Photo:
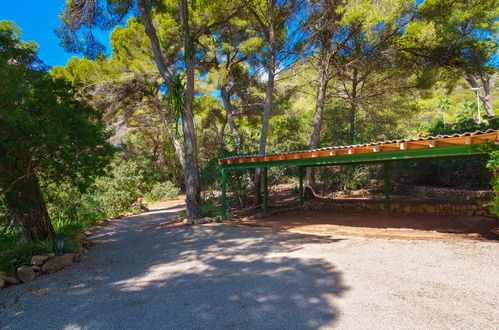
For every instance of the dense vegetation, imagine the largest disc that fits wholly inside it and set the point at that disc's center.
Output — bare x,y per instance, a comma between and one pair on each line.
189,81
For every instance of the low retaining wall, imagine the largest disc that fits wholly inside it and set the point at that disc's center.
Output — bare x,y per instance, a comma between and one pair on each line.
441,209
437,209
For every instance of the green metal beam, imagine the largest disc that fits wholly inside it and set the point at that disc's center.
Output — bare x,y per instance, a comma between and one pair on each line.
265,191
224,195
301,170
411,154
386,176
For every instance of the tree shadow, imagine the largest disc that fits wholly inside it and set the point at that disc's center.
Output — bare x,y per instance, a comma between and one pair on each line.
208,276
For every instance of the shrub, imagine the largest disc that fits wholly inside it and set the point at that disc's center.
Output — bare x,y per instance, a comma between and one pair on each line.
162,191
493,166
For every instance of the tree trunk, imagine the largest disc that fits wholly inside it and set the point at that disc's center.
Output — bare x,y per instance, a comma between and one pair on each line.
319,111
230,117
28,210
153,39
192,189
176,143
353,105
257,197
485,97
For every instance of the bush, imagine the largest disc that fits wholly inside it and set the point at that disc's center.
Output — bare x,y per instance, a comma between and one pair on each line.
493,166
162,191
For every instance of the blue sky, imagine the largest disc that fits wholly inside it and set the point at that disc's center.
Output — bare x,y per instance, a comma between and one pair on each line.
38,19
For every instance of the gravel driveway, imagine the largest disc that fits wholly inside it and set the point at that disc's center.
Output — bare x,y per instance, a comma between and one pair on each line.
141,275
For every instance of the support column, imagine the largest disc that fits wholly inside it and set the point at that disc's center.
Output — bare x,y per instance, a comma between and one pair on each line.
224,195
387,188
301,171
265,191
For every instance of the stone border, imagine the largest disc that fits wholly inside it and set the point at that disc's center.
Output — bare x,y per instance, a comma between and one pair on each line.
46,263
405,208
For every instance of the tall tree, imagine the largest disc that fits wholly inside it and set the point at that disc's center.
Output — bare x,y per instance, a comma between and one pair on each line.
327,35
47,132
272,18
457,35
85,15
333,26
229,50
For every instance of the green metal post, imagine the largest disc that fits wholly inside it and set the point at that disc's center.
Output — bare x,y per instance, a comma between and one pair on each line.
386,174
265,191
301,170
224,195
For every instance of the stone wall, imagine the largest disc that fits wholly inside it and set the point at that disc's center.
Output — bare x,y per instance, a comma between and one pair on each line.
437,209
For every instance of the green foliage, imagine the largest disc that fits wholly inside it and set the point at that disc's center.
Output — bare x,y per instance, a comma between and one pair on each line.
345,178
45,120
22,253
210,206
162,191
493,165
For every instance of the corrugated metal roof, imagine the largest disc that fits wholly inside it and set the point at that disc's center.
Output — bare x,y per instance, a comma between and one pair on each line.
437,137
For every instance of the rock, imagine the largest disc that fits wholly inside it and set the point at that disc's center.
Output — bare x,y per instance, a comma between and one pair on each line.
200,221
430,209
36,268
39,260
26,273
83,251
58,263
2,284
9,278
51,255
187,222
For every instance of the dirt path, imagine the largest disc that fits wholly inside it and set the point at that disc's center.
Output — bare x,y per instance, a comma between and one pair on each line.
383,225
142,274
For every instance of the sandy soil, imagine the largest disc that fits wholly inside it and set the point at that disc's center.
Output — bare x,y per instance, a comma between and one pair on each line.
384,225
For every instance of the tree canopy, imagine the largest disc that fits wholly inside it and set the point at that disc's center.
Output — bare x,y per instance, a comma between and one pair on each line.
49,131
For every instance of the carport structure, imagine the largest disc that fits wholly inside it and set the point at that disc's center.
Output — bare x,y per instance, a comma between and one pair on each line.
422,148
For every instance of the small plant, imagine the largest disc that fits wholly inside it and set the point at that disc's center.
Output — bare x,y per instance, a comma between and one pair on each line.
209,205
162,191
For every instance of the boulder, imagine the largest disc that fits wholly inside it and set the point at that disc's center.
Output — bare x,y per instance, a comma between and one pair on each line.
9,278
39,260
26,273
58,263
2,283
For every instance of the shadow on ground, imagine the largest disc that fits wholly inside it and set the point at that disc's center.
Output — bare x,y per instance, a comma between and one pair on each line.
208,276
